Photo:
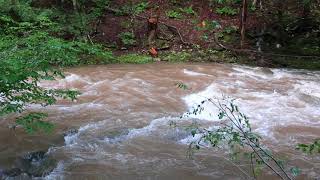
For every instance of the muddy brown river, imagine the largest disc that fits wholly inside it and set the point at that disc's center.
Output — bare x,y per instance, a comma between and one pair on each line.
124,111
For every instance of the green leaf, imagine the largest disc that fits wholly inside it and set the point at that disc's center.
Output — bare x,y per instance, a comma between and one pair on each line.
221,115
33,122
193,132
295,171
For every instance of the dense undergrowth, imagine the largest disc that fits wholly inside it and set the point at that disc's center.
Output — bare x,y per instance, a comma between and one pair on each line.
32,48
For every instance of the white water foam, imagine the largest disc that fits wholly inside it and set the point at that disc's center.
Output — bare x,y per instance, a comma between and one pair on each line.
193,73
56,174
266,109
308,88
73,138
210,111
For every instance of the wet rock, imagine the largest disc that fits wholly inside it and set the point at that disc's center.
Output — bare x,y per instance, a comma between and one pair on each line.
22,176
71,132
34,156
36,164
11,172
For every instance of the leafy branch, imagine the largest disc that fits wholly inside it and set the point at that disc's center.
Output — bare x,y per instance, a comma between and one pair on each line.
236,131
310,148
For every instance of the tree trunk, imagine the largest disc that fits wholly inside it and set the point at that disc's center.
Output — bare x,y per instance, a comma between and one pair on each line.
243,21
152,28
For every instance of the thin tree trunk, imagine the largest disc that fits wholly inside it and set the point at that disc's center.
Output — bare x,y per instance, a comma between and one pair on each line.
243,21
152,28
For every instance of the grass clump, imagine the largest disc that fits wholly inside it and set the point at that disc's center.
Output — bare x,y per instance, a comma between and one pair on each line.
172,14
177,57
127,38
227,11
134,59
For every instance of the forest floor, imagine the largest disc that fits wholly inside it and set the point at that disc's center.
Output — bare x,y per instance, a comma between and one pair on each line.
190,27
189,31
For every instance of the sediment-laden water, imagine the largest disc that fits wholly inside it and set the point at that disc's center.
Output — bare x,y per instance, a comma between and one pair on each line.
124,111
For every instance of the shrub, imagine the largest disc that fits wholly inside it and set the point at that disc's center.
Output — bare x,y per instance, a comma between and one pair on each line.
177,57
134,59
127,38
173,14
188,10
227,10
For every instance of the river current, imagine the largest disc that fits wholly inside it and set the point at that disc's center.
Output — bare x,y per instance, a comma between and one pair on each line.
124,111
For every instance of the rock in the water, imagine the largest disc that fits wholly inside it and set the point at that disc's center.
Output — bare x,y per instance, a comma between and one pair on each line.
36,164
70,132
12,172
22,176
34,156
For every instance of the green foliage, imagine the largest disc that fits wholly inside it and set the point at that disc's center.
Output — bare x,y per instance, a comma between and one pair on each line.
33,122
178,14
235,132
132,9
127,38
227,10
78,24
75,25
134,59
43,48
26,61
310,148
295,171
21,10
140,7
176,2
177,57
173,14
181,85
221,3
226,7
230,29
252,7
30,51
188,10
126,24
13,21
228,1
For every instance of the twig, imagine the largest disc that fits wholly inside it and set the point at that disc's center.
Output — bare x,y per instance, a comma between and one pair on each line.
253,171
233,119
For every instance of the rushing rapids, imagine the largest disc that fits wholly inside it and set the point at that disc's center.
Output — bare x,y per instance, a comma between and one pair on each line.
124,111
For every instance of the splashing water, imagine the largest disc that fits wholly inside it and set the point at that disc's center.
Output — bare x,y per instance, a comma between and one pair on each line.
124,112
